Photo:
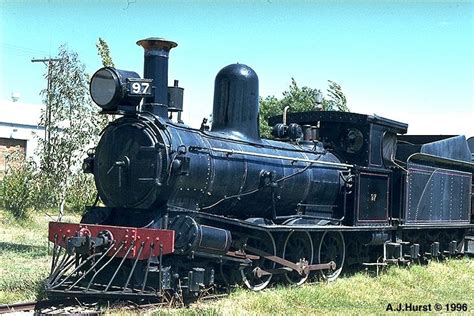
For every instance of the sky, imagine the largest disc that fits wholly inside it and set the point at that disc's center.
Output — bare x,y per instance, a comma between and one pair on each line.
405,60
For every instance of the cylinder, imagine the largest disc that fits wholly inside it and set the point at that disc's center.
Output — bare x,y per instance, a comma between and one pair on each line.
175,98
156,68
192,236
307,132
214,240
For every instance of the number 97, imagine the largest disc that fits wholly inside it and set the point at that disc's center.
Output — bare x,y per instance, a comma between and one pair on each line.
140,88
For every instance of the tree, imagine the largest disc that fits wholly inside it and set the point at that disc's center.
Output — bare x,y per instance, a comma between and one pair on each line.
337,99
72,127
300,99
104,53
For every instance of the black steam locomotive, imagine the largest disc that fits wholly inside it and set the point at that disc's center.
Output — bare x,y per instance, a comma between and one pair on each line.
186,211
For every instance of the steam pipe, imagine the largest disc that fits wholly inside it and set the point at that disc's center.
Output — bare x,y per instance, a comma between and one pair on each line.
156,68
285,112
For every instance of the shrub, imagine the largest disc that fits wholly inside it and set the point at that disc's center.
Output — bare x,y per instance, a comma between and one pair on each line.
82,192
17,186
44,193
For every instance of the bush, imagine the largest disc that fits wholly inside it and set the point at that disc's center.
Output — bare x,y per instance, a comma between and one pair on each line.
17,186
26,187
44,193
82,192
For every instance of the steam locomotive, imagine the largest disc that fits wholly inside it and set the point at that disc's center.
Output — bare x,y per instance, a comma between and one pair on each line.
189,211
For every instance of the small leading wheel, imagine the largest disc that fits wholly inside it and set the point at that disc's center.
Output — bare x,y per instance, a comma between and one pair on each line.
332,248
298,247
264,242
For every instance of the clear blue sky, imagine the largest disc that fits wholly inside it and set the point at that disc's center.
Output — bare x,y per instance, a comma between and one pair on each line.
411,61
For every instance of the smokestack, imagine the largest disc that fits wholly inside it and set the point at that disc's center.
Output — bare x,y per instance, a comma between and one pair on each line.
156,68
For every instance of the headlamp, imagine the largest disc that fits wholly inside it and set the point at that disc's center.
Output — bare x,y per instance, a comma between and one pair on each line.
111,88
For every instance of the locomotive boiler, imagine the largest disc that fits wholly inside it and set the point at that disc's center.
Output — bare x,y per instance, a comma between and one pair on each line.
188,211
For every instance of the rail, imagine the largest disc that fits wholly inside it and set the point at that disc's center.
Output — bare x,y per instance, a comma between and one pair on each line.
18,307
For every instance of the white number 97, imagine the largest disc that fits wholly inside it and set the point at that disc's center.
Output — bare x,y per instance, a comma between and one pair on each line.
140,88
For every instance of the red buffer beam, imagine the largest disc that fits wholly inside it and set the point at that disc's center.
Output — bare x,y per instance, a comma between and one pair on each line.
152,241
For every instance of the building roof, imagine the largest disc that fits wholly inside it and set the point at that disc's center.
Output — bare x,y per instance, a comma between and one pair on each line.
20,113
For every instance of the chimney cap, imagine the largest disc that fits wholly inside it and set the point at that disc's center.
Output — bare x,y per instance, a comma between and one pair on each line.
156,42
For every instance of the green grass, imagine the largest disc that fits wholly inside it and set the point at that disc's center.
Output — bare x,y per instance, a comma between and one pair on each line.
24,258
24,263
447,282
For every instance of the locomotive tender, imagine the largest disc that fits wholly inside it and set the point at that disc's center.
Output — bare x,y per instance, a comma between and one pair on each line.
188,210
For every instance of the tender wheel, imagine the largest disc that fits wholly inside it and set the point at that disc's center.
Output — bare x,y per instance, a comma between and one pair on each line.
332,248
264,242
298,246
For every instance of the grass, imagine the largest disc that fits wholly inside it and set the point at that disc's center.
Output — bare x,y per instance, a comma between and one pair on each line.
24,258
24,263
444,283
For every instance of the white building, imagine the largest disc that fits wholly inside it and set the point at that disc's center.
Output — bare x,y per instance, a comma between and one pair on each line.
19,128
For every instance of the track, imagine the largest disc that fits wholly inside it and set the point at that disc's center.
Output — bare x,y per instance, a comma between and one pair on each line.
90,306
19,307
60,306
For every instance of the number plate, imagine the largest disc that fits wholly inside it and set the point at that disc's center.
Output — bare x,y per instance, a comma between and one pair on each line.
139,87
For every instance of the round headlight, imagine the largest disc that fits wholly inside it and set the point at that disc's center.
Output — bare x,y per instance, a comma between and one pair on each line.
109,86
105,88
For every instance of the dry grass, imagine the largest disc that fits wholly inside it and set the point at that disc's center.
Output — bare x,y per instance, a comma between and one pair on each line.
24,259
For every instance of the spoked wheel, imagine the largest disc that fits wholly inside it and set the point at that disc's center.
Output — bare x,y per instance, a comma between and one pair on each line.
264,242
298,247
332,248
